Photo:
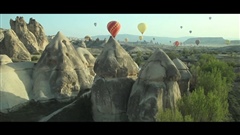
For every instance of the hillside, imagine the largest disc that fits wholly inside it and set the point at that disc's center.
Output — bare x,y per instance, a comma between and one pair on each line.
210,40
135,38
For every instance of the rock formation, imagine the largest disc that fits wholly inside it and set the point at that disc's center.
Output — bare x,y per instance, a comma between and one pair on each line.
4,59
13,47
115,62
38,31
77,111
87,58
1,35
15,84
184,82
27,37
115,74
156,88
82,44
60,71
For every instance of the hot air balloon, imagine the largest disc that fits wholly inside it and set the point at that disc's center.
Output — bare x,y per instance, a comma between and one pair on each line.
153,38
227,42
140,37
126,39
190,31
87,38
197,41
95,24
113,27
181,27
210,18
142,27
176,43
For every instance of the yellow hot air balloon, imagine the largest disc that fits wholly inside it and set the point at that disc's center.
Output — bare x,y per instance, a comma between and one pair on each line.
142,27
227,42
140,37
87,38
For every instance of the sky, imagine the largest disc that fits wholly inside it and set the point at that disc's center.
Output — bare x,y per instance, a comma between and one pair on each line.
159,25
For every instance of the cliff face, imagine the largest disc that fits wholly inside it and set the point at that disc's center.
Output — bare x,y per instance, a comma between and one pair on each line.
206,40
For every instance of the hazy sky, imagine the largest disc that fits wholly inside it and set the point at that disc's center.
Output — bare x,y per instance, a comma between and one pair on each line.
162,25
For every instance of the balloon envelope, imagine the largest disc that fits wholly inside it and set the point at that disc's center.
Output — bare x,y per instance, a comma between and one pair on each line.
176,43
181,27
113,27
197,41
95,24
227,42
140,37
87,38
190,31
142,27
126,39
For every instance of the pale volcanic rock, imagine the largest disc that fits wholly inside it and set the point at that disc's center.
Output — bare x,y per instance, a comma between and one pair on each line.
60,71
114,61
156,88
4,59
109,97
1,35
27,37
37,29
82,44
184,82
15,84
13,47
115,74
87,58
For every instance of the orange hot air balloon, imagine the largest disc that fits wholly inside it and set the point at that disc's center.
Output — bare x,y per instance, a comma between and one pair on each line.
113,27
176,43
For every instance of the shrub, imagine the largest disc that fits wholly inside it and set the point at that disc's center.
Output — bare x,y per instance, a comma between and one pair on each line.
172,116
173,54
34,58
209,100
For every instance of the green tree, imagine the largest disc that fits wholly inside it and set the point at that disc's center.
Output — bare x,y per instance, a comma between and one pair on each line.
209,100
173,54
169,115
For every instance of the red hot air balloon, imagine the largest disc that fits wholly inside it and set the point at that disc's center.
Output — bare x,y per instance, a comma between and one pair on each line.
176,43
113,27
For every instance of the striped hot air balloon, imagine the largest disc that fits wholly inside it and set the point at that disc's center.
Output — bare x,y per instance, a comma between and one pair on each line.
113,27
